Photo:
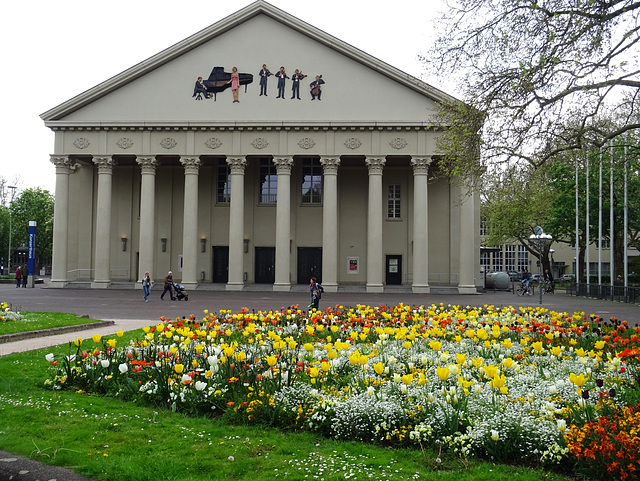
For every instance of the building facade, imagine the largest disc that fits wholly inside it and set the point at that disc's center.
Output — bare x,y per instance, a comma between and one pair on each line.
259,178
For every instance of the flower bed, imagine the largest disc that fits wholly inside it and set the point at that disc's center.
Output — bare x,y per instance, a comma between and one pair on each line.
515,385
6,314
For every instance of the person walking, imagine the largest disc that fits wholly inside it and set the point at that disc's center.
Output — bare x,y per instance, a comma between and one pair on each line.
146,286
315,290
168,286
18,276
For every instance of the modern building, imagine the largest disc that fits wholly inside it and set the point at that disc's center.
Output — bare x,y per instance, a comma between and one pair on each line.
154,174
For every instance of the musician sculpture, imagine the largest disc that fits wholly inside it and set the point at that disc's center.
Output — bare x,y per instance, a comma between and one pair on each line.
219,80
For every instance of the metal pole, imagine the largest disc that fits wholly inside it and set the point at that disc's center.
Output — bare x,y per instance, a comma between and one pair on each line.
612,271
13,191
626,219
600,226
587,237
577,272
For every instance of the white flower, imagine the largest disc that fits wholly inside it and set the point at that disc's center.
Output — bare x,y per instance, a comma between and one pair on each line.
212,360
105,363
49,357
231,458
495,435
200,385
123,368
562,425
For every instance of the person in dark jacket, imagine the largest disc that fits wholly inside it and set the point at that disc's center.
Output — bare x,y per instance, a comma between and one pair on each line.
315,290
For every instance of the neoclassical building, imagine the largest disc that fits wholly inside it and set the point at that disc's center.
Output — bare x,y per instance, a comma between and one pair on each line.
157,170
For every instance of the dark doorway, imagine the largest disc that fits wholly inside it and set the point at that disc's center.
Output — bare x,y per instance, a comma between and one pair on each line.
265,265
220,264
309,264
394,270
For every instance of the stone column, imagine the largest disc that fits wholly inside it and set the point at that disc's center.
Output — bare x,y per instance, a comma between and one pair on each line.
330,166
146,249
466,283
236,224
420,225
375,267
102,261
60,221
283,224
190,240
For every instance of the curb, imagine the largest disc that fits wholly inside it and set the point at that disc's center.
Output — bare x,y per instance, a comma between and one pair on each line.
21,336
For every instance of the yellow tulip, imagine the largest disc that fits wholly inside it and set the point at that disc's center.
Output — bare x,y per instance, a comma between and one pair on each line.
498,381
378,367
556,350
508,362
96,338
407,379
581,352
490,370
443,373
112,343
308,347
537,346
325,366
578,380
78,341
461,358
314,372
271,360
240,356
600,345
406,344
507,343
120,333
178,368
435,345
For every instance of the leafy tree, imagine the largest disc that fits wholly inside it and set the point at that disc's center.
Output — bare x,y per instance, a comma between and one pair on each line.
515,206
34,205
525,65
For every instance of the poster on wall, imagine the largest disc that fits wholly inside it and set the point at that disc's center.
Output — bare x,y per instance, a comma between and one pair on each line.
353,265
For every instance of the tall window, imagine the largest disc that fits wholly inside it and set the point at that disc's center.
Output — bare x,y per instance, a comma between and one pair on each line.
224,183
311,181
393,202
510,258
268,182
497,260
523,257
485,261
483,227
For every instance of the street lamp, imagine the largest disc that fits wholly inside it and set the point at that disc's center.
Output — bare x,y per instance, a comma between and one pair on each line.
540,240
13,191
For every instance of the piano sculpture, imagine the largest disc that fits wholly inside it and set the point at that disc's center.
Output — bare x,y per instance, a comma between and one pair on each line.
218,80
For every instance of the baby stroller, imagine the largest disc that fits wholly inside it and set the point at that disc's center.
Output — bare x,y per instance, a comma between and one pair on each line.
180,292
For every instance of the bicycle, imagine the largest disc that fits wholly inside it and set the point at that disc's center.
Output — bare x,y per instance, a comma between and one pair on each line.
547,287
521,290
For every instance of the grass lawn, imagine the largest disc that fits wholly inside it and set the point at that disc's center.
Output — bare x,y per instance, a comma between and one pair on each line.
36,321
108,439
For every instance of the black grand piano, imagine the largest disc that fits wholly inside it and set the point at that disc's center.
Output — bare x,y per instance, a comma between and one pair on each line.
218,80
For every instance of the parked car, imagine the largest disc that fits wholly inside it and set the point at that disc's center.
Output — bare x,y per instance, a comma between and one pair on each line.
566,278
536,277
513,275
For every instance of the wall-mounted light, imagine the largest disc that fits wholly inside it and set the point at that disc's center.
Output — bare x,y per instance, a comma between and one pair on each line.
163,244
246,246
123,243
203,245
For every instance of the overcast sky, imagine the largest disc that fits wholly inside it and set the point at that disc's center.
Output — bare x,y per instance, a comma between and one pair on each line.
56,49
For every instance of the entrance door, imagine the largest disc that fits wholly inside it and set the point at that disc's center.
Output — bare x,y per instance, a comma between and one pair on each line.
309,264
394,270
265,265
220,264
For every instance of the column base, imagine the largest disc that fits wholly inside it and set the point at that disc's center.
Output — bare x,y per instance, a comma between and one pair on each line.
375,288
234,286
330,287
281,287
421,289
189,286
100,284
467,290
57,283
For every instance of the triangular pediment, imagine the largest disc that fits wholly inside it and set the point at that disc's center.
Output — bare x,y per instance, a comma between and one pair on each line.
358,89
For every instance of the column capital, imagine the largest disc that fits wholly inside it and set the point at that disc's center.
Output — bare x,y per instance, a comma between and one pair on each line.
147,164
191,164
330,164
237,164
105,163
421,164
62,163
375,164
283,164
